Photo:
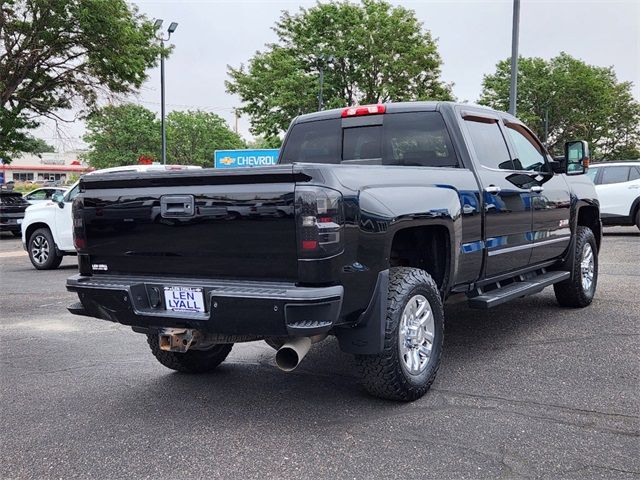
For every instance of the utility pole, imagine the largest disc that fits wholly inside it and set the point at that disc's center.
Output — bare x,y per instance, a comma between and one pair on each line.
170,30
513,90
320,99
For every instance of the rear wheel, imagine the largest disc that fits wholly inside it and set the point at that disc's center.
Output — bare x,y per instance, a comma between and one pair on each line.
414,331
42,250
191,361
578,291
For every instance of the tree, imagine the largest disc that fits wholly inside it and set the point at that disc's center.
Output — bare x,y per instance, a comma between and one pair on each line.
193,136
265,143
580,101
39,146
370,53
120,135
55,55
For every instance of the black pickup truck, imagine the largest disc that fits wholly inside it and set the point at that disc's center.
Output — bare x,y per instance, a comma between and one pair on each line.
373,218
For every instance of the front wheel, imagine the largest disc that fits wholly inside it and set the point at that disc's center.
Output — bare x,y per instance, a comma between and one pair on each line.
579,289
638,218
42,250
191,361
414,331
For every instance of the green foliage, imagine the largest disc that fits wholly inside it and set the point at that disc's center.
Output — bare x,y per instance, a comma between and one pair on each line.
38,146
582,102
120,135
193,136
373,52
261,142
66,53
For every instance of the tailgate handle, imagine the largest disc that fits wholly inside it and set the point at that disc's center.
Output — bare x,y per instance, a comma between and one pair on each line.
177,206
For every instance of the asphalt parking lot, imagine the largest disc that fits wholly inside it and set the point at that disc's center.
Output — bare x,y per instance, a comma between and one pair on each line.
526,390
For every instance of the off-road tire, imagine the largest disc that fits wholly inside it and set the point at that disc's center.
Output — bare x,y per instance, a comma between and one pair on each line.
53,260
383,374
571,292
192,361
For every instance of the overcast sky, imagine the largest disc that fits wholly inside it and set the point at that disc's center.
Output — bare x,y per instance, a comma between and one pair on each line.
472,36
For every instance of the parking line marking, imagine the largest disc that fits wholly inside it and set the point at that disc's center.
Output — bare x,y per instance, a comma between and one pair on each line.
19,253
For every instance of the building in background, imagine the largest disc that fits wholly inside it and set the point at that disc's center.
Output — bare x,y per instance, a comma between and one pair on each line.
44,167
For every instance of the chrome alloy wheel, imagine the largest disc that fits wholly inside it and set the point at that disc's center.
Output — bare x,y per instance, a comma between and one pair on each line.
40,249
587,267
416,333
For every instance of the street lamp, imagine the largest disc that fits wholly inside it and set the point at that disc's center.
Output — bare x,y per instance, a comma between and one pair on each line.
170,30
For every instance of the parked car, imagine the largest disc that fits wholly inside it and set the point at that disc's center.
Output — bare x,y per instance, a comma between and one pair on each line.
392,209
618,187
47,229
43,194
12,207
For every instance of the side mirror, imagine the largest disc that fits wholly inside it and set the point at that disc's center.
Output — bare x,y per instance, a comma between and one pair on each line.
576,155
558,165
58,198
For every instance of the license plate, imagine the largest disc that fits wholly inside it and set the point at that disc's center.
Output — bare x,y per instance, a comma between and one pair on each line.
184,299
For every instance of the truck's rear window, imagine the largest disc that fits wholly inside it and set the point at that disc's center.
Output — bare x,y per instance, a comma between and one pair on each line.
412,139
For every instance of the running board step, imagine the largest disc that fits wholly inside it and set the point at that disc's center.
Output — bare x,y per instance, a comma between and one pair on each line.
516,290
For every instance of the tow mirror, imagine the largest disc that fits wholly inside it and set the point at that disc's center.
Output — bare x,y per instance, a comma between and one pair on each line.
58,198
576,156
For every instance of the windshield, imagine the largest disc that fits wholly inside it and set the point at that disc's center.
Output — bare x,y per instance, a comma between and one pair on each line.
412,139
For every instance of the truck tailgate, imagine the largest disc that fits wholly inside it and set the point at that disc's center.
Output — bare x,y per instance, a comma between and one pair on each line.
204,223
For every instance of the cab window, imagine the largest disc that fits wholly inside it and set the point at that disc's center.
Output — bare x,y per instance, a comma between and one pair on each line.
489,144
38,195
72,194
529,154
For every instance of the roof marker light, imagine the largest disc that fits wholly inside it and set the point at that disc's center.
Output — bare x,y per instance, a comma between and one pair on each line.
363,110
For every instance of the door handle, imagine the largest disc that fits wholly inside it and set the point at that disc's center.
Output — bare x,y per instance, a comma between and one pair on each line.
536,189
468,210
492,189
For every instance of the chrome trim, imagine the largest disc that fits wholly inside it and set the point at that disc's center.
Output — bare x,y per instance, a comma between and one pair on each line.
528,245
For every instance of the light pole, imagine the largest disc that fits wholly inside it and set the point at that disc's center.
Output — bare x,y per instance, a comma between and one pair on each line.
513,89
170,30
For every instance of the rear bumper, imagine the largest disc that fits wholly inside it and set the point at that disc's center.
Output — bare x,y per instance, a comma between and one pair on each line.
231,307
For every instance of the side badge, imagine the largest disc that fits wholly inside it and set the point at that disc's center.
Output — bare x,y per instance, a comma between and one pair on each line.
99,266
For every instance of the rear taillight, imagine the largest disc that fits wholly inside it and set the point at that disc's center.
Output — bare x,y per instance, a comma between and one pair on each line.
358,111
319,221
79,232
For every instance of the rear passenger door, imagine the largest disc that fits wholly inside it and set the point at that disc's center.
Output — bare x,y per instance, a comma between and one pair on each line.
507,202
618,187
550,196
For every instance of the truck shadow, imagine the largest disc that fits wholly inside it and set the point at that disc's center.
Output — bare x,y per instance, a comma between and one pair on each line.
327,381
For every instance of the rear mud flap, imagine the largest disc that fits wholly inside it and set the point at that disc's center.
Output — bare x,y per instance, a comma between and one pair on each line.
367,336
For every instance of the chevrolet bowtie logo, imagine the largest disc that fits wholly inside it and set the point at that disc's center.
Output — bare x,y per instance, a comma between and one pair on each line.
227,161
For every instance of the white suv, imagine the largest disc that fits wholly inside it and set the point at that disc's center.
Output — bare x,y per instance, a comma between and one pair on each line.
47,228
618,187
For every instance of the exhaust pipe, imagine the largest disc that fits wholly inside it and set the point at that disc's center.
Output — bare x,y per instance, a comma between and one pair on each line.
291,353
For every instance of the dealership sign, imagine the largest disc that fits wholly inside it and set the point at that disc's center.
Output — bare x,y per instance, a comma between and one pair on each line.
245,158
